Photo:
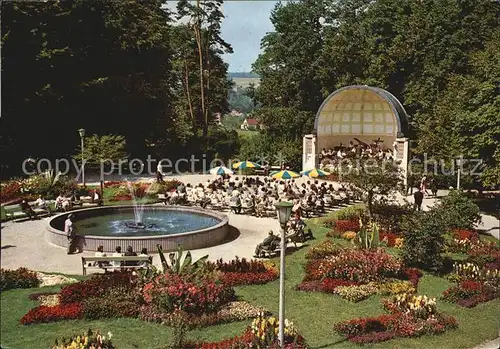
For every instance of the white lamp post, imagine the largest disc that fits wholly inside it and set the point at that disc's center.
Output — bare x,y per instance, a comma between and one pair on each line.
459,165
82,135
284,211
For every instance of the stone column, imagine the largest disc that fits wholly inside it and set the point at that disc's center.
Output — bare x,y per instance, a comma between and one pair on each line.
402,154
309,158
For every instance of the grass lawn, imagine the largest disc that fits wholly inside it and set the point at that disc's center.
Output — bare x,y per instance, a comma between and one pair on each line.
313,313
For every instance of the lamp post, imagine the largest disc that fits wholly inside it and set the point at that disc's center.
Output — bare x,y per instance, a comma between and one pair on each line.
284,210
82,135
459,165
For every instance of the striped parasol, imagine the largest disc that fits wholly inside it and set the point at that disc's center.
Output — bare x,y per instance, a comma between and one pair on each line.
220,170
315,172
285,174
245,164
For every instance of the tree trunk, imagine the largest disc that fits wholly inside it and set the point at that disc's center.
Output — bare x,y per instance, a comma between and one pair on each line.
370,203
188,92
197,32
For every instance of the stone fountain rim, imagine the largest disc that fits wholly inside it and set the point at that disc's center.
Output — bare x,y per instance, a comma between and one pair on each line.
224,220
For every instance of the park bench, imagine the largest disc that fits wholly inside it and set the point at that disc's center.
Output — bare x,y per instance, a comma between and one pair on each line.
92,263
269,250
163,198
14,212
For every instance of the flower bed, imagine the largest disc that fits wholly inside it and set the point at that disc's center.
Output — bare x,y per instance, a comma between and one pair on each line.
242,272
59,312
355,274
263,333
85,341
409,316
475,285
341,226
19,278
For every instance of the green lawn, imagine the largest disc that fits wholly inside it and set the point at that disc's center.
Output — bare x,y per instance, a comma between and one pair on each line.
313,313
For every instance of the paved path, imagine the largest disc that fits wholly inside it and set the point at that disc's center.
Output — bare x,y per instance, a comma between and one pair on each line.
24,245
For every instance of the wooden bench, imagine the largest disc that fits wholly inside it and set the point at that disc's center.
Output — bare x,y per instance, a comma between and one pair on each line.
95,260
14,212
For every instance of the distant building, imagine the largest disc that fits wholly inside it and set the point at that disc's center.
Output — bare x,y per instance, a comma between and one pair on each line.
218,119
250,124
234,112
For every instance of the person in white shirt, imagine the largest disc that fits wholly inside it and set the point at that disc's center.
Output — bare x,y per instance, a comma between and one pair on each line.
70,231
118,253
41,203
59,202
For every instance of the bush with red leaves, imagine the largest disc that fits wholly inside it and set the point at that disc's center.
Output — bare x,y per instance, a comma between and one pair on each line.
96,286
49,314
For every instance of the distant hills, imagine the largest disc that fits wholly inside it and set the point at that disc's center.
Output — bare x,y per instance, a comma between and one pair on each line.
242,75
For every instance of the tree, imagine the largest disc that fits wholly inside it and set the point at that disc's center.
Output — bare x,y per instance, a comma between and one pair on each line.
372,179
97,65
101,149
205,19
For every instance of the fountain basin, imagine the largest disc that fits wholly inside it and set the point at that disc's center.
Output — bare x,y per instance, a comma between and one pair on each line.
191,228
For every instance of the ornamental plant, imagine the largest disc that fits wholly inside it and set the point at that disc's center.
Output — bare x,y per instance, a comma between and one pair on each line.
356,293
322,250
19,278
409,316
197,294
59,312
89,340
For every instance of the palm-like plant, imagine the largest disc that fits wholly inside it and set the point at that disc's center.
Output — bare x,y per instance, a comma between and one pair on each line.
179,265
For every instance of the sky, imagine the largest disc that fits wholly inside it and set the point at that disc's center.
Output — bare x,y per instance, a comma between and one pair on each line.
244,25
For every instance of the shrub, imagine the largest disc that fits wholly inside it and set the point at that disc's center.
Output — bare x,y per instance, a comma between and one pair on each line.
464,234
59,312
96,286
322,250
199,294
396,287
347,213
114,303
459,211
389,215
19,278
10,190
87,340
424,241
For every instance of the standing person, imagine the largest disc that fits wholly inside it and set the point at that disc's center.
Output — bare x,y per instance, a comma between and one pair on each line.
159,173
423,185
419,197
70,231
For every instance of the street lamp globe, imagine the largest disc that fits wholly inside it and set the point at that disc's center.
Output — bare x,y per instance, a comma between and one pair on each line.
81,132
284,211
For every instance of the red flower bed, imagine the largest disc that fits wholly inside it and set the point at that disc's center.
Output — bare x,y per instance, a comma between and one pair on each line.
341,226
462,234
199,295
469,293
10,190
390,238
94,287
397,324
48,314
121,198
236,279
110,184
413,275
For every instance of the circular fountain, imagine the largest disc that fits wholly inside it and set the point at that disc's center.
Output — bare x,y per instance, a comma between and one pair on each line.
112,226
